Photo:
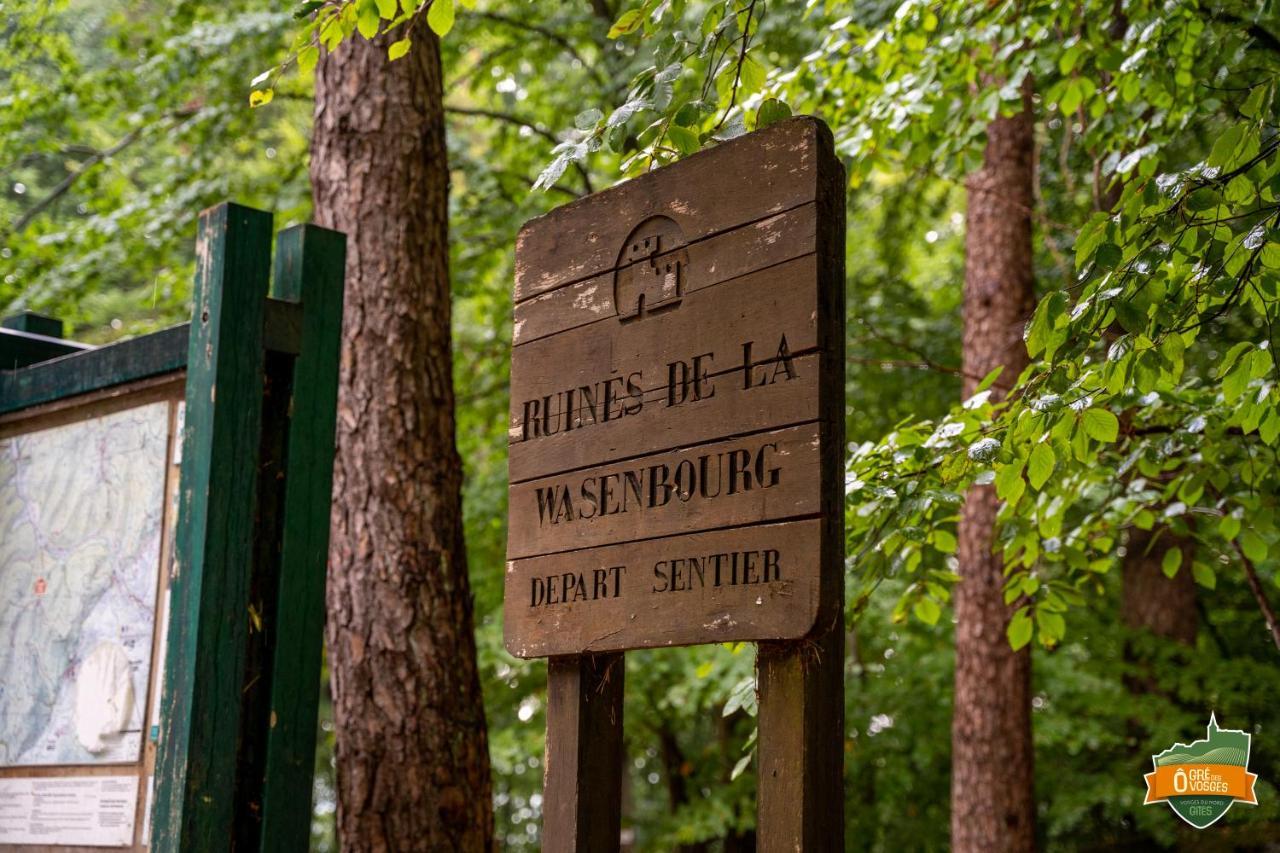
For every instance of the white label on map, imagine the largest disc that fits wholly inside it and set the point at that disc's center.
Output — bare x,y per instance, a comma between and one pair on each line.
92,811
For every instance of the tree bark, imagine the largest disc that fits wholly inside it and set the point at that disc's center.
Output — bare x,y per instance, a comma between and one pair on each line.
992,785
1162,605
412,756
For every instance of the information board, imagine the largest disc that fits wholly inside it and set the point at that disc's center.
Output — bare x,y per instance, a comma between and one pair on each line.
677,404
86,513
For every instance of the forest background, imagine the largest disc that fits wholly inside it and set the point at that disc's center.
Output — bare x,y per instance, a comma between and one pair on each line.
1135,467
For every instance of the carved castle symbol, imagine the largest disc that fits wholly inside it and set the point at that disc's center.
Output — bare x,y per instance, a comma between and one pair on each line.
651,268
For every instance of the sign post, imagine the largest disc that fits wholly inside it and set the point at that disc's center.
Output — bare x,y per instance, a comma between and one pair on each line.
676,435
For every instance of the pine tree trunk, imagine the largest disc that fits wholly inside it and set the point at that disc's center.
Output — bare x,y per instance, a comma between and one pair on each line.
412,757
1162,605
992,785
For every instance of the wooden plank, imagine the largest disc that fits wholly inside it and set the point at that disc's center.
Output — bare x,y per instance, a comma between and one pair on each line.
659,427
749,583
582,784
800,790
159,353
728,357
93,405
767,476
800,799
717,259
740,181
310,264
209,585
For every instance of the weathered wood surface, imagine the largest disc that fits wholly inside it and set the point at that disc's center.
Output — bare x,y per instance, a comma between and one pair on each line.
204,667
768,476
676,369
717,259
582,783
309,270
94,369
741,181
751,583
728,360
800,799
800,684
81,369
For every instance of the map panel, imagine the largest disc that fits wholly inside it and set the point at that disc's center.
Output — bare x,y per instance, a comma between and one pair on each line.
81,517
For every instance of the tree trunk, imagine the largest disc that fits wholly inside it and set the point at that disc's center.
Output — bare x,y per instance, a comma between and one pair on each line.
412,757
992,785
1164,606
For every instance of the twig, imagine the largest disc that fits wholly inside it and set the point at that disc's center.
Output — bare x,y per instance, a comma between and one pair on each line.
549,35
737,72
1268,614
92,160
519,122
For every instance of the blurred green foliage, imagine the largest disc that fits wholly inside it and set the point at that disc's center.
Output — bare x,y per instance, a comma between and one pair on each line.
120,119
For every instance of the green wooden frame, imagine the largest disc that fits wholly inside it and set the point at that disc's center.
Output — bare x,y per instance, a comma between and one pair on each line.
241,676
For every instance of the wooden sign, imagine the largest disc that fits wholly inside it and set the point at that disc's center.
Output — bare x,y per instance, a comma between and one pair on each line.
677,405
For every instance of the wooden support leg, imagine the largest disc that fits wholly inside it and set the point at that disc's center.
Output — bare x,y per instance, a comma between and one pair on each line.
582,789
198,751
800,804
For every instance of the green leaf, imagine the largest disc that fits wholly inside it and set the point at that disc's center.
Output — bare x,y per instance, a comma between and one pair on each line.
1108,256
927,611
307,59
628,22
261,97
1252,106
684,139
387,8
399,49
743,763
587,119
989,379
1229,527
1225,147
1204,575
1236,381
1009,483
1101,424
772,111
1230,358
753,75
1172,562
440,17
1253,545
1019,630
367,18
944,541
1052,626
1041,465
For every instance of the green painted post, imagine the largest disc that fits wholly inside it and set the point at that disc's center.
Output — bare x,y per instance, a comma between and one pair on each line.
309,269
209,587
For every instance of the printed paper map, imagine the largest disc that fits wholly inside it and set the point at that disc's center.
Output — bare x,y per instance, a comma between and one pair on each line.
81,509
